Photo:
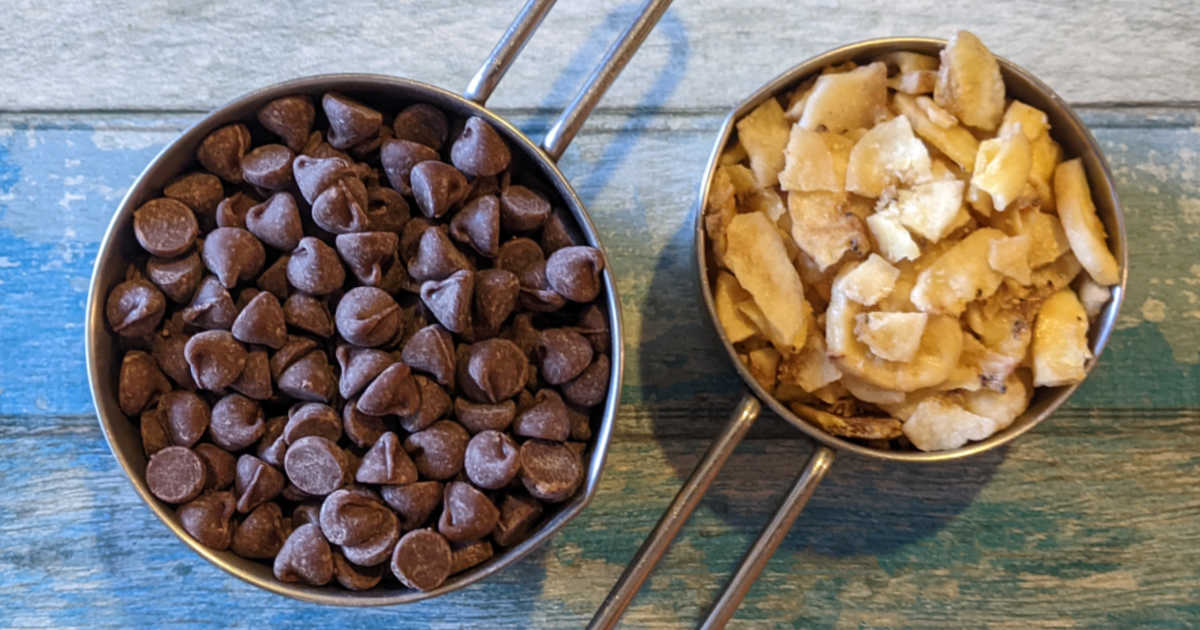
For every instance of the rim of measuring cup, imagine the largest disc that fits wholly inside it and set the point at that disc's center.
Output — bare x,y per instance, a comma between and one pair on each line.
1067,130
118,245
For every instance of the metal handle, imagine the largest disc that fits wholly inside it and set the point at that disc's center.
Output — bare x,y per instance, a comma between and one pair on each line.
743,416
506,50
773,534
564,129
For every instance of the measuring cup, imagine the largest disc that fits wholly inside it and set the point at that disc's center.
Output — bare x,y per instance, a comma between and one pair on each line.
104,358
1076,141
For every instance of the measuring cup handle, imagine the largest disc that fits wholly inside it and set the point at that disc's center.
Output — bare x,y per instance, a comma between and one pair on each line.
564,129
622,593
773,534
506,50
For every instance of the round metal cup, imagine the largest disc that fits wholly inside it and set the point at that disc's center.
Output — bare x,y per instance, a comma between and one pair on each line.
1065,127
118,245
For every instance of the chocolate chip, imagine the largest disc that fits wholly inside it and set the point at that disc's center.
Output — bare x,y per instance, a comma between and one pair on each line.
316,465
211,306
276,221
359,366
398,157
467,555
153,430
350,122
450,300
431,350
421,560
414,503
255,483
367,316
312,418
545,419
435,402
354,577
209,519
393,393
255,379
176,277
522,209
467,514
410,237
378,548
588,389
386,463
185,415
518,514
305,557
314,267
271,446
139,383
349,517
175,474
477,224
261,534
306,513
478,417
438,451
558,232
593,324
495,299
261,322
134,308
492,371
309,314
292,351
423,124
479,150
314,175
215,358
237,422
168,351
437,187
564,354
268,166
522,333
492,459
290,118
574,272
309,378
387,211
274,279
362,429
436,257
368,254
220,467
199,191
222,150
581,424
231,211
342,207
233,254
550,471
523,257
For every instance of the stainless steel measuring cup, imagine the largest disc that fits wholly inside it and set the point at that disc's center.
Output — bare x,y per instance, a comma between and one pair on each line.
103,357
1076,141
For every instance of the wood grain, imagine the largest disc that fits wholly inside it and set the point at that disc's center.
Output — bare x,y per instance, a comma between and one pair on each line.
132,55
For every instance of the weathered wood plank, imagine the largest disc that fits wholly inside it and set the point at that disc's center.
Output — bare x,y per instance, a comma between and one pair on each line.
1081,524
60,179
91,54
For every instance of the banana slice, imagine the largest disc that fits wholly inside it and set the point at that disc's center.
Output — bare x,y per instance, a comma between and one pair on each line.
1084,230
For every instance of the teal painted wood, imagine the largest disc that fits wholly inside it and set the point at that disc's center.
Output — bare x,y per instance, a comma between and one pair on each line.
1089,521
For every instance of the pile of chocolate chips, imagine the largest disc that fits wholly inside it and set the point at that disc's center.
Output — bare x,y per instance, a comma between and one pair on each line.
360,347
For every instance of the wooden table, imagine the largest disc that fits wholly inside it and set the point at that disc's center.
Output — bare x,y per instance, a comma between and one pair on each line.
1092,520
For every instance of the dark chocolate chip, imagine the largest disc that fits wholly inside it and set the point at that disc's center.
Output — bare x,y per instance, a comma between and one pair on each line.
479,150
305,557
436,256
518,515
386,463
255,483
220,467
550,471
312,418
368,254
315,268
276,221
274,279
139,383
435,402
431,350
523,257
398,157
175,474
292,351
492,460
232,210
185,415
222,150
393,393
261,534
588,389
134,308
233,254
438,451
378,548
309,378
211,306
261,322
268,166
437,187
199,191
354,577
152,426
237,422
350,517
421,560
478,417
593,324
387,210
342,207
559,231
314,175
495,299
362,429
522,209
309,314
574,272
477,224
209,519
176,277
350,122
545,419
450,300
581,424
492,371
467,514
290,118
423,124
564,354
316,465
255,379
414,503
215,358
467,555
359,366
367,316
